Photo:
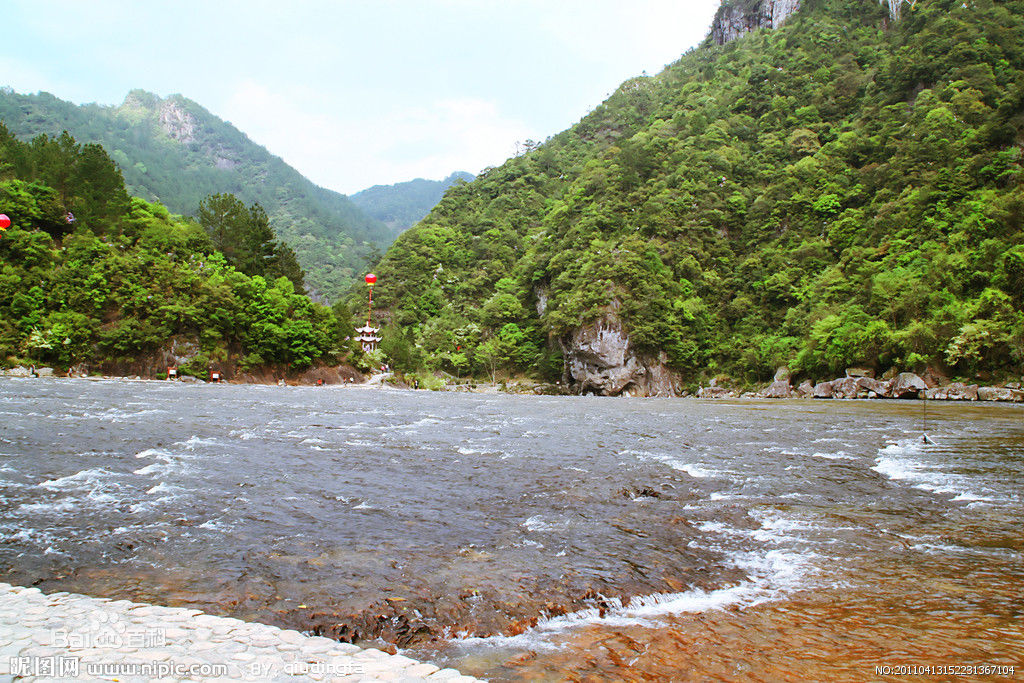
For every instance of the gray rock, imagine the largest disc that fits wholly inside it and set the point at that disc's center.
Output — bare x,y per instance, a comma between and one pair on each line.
957,391
805,390
712,392
907,385
860,372
874,388
778,389
846,387
782,374
822,390
1000,394
736,19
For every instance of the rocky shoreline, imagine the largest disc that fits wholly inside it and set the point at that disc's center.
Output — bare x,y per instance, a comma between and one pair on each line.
861,384
321,375
856,384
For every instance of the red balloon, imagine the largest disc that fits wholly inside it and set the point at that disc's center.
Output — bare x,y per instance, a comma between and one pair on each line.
5,222
370,278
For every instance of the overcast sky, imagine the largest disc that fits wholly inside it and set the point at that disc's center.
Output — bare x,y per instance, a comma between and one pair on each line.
355,94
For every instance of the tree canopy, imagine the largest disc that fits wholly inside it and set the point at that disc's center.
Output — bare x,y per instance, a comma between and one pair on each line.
846,189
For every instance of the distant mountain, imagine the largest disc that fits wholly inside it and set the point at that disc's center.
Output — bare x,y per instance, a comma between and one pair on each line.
402,205
175,151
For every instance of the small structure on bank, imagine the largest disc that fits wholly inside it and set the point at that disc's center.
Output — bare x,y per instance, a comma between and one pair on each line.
368,337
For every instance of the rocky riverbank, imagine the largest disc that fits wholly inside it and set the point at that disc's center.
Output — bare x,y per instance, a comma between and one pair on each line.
340,374
64,636
861,384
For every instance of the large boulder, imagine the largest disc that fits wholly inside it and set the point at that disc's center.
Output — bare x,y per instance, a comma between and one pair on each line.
778,389
805,390
1000,394
599,359
860,372
846,387
713,392
907,385
868,387
782,374
822,390
957,391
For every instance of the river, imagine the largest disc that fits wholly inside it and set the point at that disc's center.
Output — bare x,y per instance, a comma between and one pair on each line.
531,537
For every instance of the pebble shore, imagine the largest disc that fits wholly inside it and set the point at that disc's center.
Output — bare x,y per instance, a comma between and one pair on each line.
69,637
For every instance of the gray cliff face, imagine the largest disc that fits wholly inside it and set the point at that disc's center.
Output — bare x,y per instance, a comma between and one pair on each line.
600,359
737,17
177,123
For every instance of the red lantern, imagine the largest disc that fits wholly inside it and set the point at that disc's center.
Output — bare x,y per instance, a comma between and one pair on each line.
5,222
370,279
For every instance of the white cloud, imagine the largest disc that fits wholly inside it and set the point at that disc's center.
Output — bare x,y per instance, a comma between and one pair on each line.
347,151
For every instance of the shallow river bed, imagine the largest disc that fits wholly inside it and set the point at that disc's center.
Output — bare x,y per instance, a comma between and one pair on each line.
538,538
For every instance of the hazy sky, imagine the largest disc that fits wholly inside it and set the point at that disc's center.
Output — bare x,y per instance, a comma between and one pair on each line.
354,94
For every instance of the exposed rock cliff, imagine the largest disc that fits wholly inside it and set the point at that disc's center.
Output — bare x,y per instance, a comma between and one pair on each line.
600,359
176,122
737,17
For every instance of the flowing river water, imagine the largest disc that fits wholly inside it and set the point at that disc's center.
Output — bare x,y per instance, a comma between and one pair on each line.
536,538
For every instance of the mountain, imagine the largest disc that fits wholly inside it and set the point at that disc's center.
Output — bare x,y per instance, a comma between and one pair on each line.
91,276
401,205
836,184
174,151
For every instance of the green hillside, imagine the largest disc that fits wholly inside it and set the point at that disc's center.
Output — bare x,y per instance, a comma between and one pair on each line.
401,205
176,152
91,275
843,190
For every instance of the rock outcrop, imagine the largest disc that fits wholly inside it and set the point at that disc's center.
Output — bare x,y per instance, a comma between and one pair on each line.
599,359
176,122
738,17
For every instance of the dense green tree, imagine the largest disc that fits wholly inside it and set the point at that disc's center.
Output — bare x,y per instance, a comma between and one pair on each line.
845,189
127,277
244,236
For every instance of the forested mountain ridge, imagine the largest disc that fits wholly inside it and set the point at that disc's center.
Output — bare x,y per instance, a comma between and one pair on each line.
174,151
400,205
90,275
845,189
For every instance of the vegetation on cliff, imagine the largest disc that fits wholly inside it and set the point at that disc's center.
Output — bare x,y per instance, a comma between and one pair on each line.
91,275
844,190
176,152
